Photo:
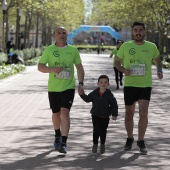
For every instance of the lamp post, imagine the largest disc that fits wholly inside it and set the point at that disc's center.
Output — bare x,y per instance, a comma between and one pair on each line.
4,8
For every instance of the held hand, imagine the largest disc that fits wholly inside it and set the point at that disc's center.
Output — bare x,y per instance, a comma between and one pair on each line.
160,75
57,70
80,89
114,118
127,72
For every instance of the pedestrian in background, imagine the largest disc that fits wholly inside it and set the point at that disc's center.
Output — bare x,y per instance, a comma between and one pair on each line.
104,105
137,56
59,60
118,74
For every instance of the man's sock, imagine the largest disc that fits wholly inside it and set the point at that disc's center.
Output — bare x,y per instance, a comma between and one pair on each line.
57,133
64,139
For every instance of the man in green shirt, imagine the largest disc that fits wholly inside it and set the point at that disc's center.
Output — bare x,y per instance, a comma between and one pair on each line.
137,56
59,60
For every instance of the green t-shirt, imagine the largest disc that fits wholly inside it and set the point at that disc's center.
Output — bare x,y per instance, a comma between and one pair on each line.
138,59
114,52
65,57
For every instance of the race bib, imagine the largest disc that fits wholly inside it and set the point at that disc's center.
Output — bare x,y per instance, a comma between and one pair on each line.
137,69
64,74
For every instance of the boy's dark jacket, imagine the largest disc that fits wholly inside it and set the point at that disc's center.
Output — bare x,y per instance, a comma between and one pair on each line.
104,105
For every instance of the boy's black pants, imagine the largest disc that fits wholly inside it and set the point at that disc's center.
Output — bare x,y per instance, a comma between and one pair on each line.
100,126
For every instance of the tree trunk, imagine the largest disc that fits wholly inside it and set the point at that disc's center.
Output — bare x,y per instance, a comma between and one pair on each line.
37,31
25,32
44,33
28,33
49,35
7,27
17,35
161,41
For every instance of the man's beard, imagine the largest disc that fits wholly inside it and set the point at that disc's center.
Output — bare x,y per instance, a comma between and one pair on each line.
138,38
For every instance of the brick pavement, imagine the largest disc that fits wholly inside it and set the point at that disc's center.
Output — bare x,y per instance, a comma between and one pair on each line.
26,132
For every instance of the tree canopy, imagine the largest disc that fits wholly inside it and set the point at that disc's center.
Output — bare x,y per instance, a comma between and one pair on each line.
44,15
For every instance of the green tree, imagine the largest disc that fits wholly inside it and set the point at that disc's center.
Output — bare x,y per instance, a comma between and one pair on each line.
118,13
43,16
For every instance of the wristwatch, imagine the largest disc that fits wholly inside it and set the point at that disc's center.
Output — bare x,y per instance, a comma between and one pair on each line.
81,83
159,70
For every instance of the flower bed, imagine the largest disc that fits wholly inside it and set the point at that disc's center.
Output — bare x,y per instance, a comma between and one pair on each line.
11,69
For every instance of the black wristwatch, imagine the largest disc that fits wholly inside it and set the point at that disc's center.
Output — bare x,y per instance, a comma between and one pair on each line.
81,83
159,70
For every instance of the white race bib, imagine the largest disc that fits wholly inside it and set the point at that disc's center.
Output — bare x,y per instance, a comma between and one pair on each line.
64,74
137,69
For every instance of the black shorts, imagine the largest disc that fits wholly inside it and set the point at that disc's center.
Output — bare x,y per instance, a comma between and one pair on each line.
61,99
132,94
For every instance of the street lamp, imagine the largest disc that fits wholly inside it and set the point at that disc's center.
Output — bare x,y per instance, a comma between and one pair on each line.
4,8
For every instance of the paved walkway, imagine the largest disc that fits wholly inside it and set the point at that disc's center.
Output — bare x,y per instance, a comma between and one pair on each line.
26,132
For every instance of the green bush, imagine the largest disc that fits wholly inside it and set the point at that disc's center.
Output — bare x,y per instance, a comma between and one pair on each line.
32,61
3,58
38,52
27,54
31,53
20,53
11,69
165,64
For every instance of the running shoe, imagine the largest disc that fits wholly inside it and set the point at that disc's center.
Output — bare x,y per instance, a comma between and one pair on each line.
62,148
142,147
94,148
57,142
128,144
121,83
102,148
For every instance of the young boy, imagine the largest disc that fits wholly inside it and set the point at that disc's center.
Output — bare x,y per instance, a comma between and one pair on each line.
104,105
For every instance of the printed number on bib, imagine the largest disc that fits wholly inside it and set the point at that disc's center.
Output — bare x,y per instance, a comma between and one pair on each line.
137,69
64,74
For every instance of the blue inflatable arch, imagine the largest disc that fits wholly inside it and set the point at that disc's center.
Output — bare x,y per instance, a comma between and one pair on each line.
90,28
